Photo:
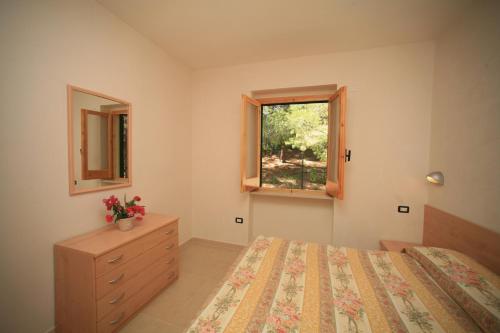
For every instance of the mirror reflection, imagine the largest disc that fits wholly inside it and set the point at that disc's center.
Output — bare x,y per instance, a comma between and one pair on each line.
100,135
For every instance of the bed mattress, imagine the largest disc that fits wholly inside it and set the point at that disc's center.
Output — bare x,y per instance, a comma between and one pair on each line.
293,286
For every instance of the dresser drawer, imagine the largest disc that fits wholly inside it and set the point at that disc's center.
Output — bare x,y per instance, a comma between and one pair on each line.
168,232
113,280
118,257
115,319
120,296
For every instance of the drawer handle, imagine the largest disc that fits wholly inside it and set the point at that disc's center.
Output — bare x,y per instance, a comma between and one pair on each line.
170,261
116,300
117,279
171,246
112,261
169,232
117,320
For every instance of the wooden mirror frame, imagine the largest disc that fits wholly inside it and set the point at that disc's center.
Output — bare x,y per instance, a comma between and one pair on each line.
73,190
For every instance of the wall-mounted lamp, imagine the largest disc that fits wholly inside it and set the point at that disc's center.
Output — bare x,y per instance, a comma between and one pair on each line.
436,177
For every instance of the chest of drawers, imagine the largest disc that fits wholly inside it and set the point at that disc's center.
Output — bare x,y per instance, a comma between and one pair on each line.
104,277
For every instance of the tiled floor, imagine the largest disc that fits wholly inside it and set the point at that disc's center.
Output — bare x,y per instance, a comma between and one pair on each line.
203,264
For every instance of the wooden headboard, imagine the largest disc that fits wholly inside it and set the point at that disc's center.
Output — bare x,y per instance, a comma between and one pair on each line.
448,231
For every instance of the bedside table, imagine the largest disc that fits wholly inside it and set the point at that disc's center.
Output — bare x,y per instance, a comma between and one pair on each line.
395,246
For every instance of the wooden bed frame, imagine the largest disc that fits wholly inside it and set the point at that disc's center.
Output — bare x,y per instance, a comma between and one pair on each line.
445,230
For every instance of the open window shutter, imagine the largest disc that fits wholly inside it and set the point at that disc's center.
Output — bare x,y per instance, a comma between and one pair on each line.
336,144
110,169
88,172
250,144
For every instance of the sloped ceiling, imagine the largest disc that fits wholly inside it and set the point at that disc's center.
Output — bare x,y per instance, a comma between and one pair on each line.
212,33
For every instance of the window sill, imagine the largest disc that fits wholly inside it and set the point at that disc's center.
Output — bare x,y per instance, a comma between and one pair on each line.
301,194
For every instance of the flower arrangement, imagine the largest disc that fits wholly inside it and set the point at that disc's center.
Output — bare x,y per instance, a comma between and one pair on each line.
115,210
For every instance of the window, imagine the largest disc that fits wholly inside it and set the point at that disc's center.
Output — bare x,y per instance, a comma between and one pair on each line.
294,143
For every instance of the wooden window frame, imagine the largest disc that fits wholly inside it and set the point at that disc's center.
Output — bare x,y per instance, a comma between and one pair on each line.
336,189
332,189
249,184
100,173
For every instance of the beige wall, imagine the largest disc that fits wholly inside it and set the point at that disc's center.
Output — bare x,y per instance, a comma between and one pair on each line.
46,45
291,218
389,105
465,138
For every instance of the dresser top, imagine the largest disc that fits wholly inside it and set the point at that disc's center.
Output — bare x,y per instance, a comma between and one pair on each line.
110,237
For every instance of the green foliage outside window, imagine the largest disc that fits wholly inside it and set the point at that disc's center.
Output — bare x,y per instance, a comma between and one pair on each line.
297,126
294,145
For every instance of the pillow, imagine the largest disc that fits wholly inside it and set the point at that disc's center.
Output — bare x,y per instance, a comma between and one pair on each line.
475,288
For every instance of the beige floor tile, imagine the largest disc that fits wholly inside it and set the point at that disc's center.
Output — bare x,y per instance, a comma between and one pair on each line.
183,286
204,267
203,264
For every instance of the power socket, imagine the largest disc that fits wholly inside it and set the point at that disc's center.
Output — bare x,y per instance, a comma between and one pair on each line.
404,209
238,220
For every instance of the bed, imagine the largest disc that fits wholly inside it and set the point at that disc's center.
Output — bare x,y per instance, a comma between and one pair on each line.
279,285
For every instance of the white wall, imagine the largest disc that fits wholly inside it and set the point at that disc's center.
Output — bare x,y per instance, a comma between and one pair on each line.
388,119
465,136
44,46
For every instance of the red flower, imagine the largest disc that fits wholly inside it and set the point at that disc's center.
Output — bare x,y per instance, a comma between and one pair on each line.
130,211
110,202
116,211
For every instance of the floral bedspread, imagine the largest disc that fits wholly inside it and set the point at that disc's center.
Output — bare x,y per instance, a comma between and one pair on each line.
470,284
293,286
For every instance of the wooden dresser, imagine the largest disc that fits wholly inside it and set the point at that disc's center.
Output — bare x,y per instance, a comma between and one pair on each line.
104,277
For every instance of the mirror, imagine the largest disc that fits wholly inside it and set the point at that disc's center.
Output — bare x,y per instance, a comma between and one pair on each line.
98,141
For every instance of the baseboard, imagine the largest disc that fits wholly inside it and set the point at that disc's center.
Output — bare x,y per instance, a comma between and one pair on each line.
51,330
185,241
218,241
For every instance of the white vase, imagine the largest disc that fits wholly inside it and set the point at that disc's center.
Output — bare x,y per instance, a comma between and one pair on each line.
125,224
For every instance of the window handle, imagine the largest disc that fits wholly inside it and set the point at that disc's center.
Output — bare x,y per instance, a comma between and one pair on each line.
347,155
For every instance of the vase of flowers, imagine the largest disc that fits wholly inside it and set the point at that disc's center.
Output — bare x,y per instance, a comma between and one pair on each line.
123,215
125,224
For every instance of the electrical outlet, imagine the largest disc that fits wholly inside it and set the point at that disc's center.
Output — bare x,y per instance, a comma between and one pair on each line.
238,219
404,209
